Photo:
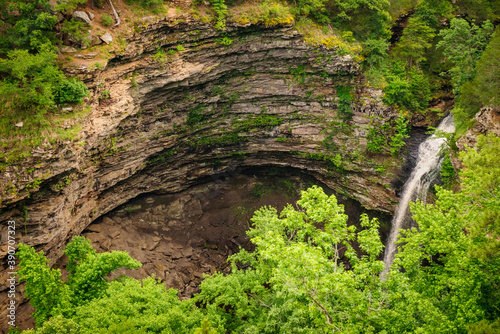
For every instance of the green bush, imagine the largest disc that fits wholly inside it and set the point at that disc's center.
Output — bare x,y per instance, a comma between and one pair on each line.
148,4
68,6
345,101
400,133
196,115
107,20
71,90
447,171
410,91
78,30
376,137
224,41
484,89
221,12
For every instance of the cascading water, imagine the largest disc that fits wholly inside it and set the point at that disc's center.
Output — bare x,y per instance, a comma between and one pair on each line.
425,172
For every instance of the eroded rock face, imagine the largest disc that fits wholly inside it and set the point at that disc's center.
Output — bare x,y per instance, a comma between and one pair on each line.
198,112
487,121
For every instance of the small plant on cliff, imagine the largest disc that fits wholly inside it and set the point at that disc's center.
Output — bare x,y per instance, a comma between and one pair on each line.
221,11
298,73
106,20
160,56
344,102
224,41
401,132
376,136
78,30
105,94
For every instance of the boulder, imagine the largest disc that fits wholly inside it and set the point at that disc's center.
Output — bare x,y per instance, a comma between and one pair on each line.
107,38
82,16
86,42
96,40
91,15
108,221
68,49
94,228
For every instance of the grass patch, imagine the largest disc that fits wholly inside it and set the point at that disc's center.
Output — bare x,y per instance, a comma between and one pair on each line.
18,141
317,35
269,13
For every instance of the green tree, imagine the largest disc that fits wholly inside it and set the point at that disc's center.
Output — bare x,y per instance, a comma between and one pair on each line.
68,6
488,73
446,275
484,89
417,37
410,91
33,83
401,132
298,277
49,295
463,46
29,24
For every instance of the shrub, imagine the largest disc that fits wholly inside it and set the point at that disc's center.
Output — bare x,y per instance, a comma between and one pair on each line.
409,92
71,90
376,137
447,171
105,94
224,41
345,100
220,10
401,133
106,20
78,30
153,5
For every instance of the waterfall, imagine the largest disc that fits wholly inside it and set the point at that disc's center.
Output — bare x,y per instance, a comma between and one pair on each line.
425,172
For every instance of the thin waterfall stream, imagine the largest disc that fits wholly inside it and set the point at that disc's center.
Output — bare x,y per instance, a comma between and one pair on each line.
423,175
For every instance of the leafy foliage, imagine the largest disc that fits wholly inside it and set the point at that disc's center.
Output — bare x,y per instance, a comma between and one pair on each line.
68,6
107,20
153,5
305,275
50,296
484,89
34,82
31,84
409,91
463,46
345,100
416,38
401,132
447,172
77,30
297,277
30,25
221,12
446,274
